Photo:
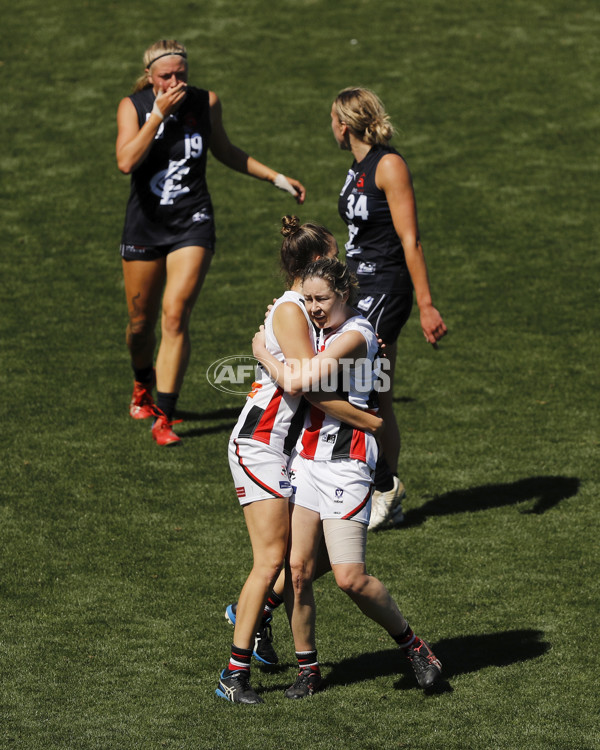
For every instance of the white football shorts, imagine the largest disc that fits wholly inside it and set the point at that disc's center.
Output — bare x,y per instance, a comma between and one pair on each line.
340,488
257,473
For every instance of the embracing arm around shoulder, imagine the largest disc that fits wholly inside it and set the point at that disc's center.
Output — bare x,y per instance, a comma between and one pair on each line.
298,375
349,347
338,408
393,177
291,331
234,158
302,372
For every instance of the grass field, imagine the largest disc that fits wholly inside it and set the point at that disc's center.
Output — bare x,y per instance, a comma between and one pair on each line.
118,558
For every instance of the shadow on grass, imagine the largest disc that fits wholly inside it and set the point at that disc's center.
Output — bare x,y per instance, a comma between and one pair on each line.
547,491
460,655
230,415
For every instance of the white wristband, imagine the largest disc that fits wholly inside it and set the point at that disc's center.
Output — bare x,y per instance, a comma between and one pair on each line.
156,111
283,183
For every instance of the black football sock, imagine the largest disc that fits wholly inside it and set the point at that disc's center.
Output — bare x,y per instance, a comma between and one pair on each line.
273,601
405,638
167,402
240,659
144,374
308,659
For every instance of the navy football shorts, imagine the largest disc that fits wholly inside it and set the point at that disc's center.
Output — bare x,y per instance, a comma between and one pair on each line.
386,312
202,235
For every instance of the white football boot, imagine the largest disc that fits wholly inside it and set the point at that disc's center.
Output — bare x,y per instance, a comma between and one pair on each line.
386,507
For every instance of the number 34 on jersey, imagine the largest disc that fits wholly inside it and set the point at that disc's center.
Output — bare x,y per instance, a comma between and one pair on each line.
357,207
356,204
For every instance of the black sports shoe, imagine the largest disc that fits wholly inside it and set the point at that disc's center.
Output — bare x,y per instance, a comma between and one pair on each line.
307,682
263,644
426,666
263,640
235,687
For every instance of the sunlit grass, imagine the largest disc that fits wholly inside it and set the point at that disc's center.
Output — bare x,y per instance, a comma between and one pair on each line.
118,559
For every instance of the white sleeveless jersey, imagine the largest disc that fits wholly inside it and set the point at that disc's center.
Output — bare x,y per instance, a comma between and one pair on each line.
271,416
324,438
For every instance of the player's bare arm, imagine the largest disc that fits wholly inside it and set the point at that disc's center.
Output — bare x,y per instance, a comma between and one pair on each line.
393,177
235,158
133,142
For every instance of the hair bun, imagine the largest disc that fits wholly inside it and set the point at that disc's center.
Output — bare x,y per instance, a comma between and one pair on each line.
289,225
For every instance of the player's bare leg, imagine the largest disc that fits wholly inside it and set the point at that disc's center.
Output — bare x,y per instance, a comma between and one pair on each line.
144,280
186,271
143,288
375,601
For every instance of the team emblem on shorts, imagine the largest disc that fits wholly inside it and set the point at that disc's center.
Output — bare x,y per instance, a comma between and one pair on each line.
134,248
365,304
366,268
338,492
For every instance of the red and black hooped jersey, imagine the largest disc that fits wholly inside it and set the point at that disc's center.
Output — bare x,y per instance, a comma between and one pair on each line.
270,415
325,438
274,420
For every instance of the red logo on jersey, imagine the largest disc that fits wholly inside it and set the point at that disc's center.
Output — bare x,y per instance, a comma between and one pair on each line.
360,183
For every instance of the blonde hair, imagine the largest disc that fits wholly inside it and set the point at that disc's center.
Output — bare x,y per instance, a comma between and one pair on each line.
161,48
363,112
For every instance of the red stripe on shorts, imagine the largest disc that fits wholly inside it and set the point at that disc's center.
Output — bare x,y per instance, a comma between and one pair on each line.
359,507
251,476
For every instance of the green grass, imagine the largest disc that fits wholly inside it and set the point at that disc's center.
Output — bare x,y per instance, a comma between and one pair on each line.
118,559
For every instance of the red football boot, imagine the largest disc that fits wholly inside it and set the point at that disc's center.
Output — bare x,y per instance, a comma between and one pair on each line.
142,403
161,429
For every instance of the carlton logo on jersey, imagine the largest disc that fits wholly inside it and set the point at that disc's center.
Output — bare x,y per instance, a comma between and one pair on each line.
167,183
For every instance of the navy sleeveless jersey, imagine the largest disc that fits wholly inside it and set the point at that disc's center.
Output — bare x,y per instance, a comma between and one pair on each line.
169,195
373,251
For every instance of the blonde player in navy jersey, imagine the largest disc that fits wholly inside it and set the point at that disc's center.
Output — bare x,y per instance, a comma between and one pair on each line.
259,449
332,472
384,250
165,130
